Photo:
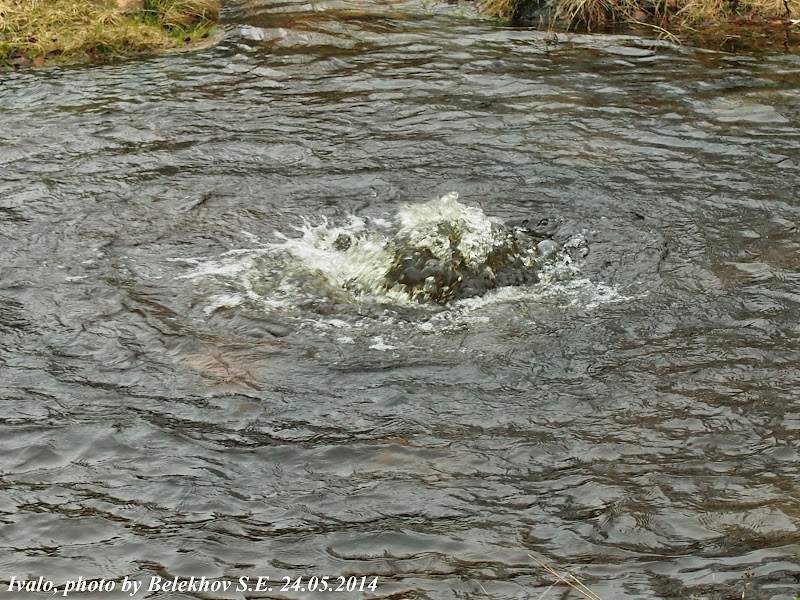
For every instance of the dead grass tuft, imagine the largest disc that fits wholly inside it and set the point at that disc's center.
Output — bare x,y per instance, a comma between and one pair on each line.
181,14
77,30
666,17
697,11
503,9
596,13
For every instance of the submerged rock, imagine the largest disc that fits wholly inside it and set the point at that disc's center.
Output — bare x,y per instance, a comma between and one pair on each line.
437,251
342,242
448,251
424,276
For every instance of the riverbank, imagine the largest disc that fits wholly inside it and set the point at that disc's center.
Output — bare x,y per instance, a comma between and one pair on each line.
36,32
737,23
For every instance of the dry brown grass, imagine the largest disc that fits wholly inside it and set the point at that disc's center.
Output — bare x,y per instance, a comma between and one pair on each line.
573,582
503,9
38,27
588,13
74,30
596,13
696,11
181,14
665,17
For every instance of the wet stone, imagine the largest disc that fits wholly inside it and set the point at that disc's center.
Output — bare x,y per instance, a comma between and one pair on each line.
342,242
427,278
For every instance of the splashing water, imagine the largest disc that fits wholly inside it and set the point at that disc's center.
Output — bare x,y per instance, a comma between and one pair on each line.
435,252
446,250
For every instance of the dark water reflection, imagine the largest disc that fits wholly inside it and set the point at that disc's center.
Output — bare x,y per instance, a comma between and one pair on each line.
638,426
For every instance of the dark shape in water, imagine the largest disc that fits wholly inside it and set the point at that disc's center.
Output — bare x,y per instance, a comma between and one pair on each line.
426,274
342,242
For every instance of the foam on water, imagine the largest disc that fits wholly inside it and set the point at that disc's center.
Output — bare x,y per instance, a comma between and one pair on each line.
472,233
349,263
347,257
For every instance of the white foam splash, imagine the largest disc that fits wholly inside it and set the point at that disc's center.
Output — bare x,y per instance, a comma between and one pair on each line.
346,263
378,343
421,224
358,268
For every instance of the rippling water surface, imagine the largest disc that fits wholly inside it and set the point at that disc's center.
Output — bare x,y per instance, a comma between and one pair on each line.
185,391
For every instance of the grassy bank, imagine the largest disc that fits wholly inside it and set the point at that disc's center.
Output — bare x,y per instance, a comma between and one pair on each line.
668,16
33,32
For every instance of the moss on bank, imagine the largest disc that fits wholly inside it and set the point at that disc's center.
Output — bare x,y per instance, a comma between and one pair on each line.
35,31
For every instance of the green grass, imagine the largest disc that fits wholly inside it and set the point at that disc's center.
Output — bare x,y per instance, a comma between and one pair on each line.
80,30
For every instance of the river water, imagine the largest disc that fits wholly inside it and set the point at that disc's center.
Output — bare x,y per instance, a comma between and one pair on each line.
191,384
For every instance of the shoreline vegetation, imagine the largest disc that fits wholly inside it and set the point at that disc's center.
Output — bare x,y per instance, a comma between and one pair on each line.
34,33
736,25
593,14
